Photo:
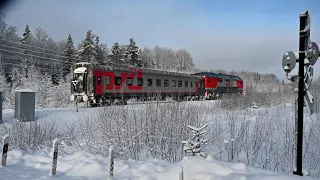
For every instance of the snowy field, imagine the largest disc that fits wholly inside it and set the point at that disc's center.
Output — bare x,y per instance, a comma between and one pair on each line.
147,140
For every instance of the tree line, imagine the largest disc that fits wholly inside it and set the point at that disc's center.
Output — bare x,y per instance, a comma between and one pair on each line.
55,58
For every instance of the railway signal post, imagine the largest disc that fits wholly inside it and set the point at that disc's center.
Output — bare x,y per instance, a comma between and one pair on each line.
306,58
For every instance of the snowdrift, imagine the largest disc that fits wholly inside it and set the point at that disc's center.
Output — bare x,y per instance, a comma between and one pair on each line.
84,165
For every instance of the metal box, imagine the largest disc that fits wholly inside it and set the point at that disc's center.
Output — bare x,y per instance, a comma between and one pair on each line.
25,105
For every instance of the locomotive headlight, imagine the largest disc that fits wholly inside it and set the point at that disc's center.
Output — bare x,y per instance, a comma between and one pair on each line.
72,98
85,98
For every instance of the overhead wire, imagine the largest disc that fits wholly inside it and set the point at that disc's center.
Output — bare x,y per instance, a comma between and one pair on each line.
33,56
19,43
21,49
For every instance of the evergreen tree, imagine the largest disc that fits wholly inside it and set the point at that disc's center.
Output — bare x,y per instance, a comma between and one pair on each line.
69,56
88,50
132,54
55,75
26,46
116,57
99,52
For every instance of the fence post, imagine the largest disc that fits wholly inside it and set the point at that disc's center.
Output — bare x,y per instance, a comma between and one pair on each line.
181,174
5,147
111,162
55,157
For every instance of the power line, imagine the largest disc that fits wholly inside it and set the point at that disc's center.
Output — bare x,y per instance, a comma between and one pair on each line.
33,56
37,60
33,51
19,43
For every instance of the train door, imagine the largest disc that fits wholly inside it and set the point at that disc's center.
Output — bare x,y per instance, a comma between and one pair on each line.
99,84
201,88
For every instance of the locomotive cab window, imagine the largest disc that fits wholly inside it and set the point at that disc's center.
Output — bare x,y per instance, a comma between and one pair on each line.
106,80
118,81
129,82
166,83
149,82
140,82
158,82
173,83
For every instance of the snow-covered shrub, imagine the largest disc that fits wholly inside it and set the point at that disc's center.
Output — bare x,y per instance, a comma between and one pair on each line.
194,146
32,135
152,130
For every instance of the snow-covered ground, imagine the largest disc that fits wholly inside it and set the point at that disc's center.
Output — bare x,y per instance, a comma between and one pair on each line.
81,164
84,165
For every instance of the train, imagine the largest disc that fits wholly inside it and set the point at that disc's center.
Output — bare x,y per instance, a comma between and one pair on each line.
100,85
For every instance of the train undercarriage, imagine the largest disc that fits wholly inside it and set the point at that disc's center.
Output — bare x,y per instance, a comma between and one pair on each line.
108,99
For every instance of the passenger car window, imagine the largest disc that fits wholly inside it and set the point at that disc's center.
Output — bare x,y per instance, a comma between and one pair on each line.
149,82
118,81
158,82
106,80
140,82
166,83
173,83
129,82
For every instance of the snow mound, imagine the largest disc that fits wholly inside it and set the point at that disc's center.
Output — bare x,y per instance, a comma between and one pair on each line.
84,165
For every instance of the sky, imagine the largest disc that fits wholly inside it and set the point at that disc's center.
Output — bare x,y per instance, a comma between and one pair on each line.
249,35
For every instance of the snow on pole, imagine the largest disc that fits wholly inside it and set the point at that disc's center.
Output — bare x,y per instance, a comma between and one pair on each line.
55,157
181,173
111,162
5,146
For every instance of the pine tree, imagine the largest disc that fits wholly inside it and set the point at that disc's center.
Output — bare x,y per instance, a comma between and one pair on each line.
55,75
116,57
132,54
88,50
99,52
26,46
69,56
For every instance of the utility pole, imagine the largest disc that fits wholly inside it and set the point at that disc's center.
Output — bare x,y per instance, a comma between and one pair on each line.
306,58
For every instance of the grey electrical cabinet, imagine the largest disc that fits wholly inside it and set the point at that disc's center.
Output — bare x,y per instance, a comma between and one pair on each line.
1,101
25,105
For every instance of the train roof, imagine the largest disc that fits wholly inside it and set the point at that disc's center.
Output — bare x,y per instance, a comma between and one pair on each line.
215,75
144,70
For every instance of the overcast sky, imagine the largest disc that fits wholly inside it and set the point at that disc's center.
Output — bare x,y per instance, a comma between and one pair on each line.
237,35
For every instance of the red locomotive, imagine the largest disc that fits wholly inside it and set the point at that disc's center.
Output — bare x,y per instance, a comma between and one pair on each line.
103,85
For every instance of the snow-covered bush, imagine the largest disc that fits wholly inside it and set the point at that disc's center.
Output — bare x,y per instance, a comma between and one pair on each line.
194,146
152,130
32,135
